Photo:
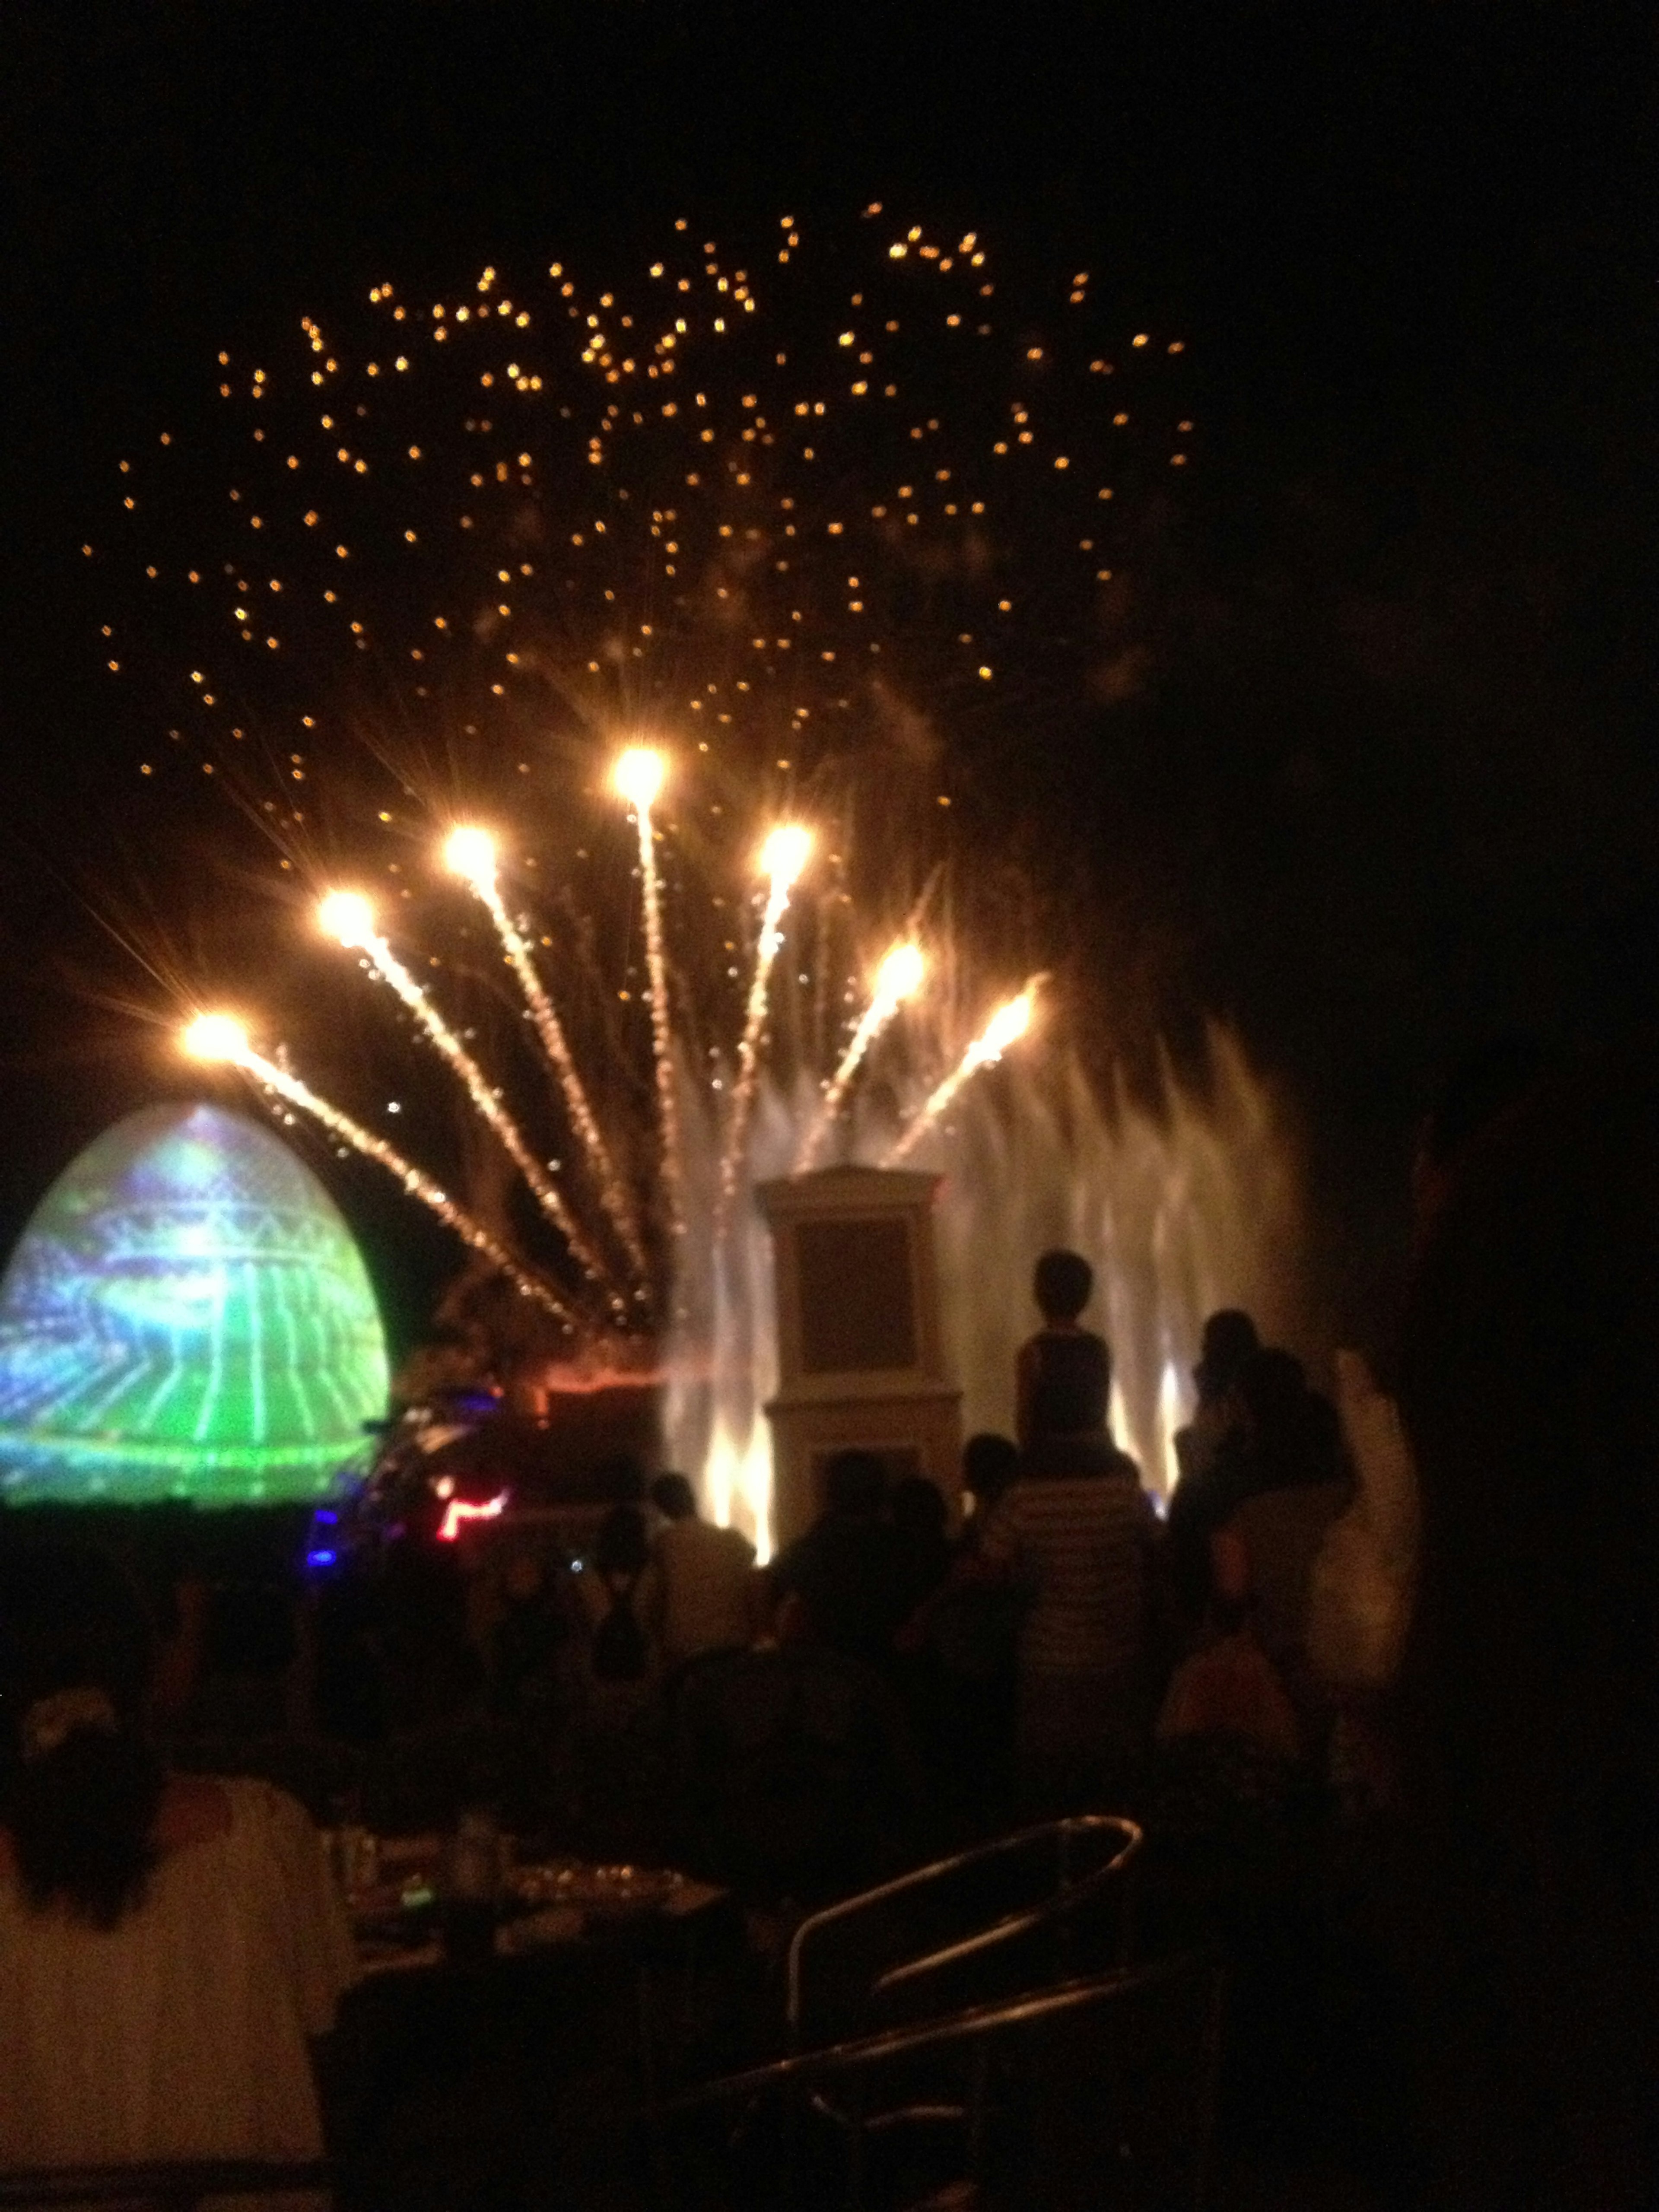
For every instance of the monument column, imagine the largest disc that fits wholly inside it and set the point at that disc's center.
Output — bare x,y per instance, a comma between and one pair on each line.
861,1358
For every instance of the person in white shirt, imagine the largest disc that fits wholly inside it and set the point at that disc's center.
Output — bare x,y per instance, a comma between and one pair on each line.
169,1945
704,1596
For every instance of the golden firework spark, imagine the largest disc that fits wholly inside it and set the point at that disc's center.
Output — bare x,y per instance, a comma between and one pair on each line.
1005,1026
899,978
219,1037
349,916
783,856
470,854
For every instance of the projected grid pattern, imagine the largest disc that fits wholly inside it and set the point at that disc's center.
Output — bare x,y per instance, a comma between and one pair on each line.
186,1315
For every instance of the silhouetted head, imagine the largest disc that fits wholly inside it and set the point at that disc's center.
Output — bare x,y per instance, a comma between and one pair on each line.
989,1464
79,1779
1229,1339
916,1508
621,1547
1272,1383
673,1497
1061,1285
854,1485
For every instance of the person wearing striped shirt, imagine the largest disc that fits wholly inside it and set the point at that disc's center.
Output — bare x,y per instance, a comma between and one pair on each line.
1077,1546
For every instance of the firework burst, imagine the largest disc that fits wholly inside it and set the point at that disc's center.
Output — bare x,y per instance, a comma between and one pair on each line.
835,527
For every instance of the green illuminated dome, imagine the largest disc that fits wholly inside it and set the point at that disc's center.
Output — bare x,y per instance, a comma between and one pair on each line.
186,1315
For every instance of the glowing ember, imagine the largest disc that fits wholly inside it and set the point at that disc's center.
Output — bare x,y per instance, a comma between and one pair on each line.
471,854
785,854
216,1036
638,776
348,916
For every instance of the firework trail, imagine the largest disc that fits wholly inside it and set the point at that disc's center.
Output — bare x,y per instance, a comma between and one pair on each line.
349,917
217,1037
639,778
1005,1025
783,858
899,978
471,854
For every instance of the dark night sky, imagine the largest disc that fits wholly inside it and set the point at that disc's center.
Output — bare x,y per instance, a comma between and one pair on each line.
1396,784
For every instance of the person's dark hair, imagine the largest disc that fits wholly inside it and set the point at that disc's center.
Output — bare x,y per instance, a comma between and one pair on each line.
1530,1694
1272,1384
79,1781
673,1497
620,1546
916,1507
1229,1339
854,1483
1061,1285
989,1464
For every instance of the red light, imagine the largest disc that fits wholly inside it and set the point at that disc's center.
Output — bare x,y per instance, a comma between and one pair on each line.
460,1510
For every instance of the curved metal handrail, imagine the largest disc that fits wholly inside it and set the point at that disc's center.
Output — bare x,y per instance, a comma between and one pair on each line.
1069,1897
971,2024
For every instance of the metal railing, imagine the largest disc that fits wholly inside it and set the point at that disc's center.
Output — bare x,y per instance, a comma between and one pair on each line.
1074,1888
972,2035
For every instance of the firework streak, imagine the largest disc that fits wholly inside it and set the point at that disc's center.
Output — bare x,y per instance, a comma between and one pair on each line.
391,971
550,1031
898,977
787,852
662,1029
416,1184
1007,1023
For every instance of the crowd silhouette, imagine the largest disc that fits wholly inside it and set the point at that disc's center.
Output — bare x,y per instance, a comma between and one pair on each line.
1377,1681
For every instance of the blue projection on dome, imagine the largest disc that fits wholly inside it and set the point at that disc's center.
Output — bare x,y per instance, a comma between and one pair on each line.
186,1315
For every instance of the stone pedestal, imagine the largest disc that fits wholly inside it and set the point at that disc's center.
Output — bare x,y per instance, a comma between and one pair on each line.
861,1360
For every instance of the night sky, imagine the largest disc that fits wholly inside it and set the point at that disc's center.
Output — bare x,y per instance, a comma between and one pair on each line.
1384,780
